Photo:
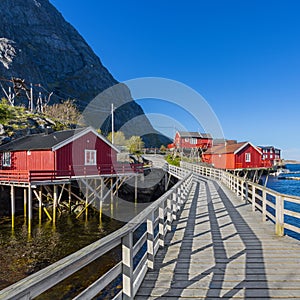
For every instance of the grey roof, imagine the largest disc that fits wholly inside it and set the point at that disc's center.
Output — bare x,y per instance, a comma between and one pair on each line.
40,141
194,134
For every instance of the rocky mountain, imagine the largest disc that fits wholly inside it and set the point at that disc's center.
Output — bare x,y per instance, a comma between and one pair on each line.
40,47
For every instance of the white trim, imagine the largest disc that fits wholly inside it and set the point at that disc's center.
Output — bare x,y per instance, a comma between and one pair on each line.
246,144
6,159
91,163
79,135
248,157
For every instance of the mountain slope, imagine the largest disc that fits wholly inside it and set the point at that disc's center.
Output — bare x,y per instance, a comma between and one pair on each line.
38,45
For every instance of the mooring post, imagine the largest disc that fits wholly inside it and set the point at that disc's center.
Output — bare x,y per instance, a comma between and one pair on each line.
13,205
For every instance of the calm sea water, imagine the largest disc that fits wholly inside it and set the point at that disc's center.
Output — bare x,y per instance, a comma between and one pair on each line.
289,187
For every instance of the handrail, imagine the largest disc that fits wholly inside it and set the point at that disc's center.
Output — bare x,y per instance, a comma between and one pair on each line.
158,217
270,203
23,176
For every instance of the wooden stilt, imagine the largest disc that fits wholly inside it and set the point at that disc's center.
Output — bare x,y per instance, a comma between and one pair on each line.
54,203
29,208
25,204
70,196
13,205
111,197
40,203
101,201
135,190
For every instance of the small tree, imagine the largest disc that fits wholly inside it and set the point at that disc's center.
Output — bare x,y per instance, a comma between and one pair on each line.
65,113
135,144
119,138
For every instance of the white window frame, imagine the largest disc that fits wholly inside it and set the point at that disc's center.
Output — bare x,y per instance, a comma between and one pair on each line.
6,159
90,157
247,157
193,141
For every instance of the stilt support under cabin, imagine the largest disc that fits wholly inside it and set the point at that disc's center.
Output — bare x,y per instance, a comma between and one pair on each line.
54,203
13,205
29,208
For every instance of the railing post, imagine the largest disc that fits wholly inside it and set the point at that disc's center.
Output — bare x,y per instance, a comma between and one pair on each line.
253,197
161,224
264,205
174,205
150,240
127,266
242,182
279,216
246,191
169,214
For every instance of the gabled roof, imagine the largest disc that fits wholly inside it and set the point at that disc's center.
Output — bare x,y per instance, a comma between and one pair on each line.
193,134
52,141
230,148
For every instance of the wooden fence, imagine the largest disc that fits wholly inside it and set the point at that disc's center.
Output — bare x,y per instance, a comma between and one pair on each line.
157,218
274,206
12,176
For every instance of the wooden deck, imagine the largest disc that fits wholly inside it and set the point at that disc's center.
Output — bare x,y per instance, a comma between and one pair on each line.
220,248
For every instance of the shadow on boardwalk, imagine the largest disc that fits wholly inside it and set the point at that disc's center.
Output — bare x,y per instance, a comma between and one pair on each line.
211,253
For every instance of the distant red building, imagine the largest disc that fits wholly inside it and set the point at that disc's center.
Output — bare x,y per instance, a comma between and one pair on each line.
270,154
71,152
191,140
234,156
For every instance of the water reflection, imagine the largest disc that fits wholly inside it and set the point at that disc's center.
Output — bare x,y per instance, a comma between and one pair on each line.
23,253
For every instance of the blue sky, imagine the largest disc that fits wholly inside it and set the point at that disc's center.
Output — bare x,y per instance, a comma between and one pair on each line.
243,57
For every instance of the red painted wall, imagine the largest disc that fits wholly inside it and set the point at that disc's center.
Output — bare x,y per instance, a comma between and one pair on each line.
73,153
235,161
31,160
201,143
240,158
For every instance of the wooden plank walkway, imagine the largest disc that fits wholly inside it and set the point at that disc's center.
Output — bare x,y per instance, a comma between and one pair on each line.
219,248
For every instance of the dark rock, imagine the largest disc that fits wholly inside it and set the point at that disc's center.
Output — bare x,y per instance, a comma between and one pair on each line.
38,45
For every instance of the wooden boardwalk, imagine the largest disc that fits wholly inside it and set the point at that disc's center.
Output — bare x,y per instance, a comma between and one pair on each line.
219,248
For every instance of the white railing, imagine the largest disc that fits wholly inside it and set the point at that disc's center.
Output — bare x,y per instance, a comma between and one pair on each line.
271,204
158,217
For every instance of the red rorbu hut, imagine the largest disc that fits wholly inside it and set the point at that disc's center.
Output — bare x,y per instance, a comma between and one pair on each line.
242,155
63,153
191,140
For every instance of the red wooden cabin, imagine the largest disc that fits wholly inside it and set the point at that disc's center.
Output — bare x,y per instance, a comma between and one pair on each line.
190,140
270,155
80,152
234,156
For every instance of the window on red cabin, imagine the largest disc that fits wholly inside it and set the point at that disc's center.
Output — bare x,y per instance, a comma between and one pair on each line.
247,157
90,157
193,141
6,159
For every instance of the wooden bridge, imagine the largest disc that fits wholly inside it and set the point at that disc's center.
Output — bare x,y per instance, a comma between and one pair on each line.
213,235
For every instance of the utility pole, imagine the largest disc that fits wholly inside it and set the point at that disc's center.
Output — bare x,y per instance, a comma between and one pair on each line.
31,98
112,123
